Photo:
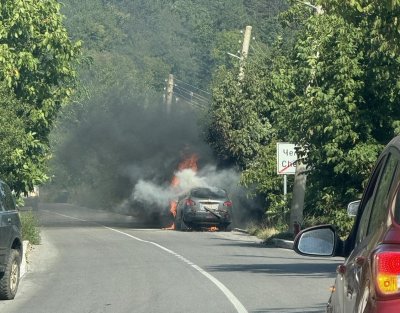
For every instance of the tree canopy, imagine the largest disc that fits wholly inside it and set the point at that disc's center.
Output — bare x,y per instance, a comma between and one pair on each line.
37,75
332,90
325,79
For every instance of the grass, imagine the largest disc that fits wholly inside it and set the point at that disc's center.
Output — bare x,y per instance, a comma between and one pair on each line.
267,233
30,227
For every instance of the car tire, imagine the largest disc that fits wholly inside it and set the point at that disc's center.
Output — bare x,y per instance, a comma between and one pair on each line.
9,280
180,224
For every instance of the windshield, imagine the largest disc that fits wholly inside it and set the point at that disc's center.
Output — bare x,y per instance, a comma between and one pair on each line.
210,193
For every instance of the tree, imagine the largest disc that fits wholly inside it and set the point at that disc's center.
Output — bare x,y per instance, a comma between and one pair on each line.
343,107
21,168
334,92
37,66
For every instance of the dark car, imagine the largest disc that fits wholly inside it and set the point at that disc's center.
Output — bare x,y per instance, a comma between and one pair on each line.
204,207
10,244
369,279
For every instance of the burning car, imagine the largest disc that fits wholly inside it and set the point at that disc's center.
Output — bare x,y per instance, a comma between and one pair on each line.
203,207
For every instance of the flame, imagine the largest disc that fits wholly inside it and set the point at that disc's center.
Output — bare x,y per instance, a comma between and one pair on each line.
213,228
188,163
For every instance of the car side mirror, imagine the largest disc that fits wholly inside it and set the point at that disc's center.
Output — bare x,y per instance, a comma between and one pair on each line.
316,241
352,208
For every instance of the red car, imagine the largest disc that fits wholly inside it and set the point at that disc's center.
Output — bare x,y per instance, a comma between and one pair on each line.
369,279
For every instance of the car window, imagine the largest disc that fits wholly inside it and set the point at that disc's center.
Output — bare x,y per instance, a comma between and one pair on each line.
212,193
380,205
366,204
2,197
396,207
8,199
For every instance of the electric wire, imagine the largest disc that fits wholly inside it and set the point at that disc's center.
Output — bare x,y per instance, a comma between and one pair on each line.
188,91
192,94
202,90
191,101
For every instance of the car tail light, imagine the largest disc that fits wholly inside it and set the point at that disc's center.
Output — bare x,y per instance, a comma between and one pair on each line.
190,202
387,272
228,203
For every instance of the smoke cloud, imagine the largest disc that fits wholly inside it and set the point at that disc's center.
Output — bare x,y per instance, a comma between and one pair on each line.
153,194
124,153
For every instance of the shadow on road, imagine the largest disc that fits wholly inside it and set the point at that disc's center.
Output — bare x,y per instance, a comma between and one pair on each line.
321,270
292,310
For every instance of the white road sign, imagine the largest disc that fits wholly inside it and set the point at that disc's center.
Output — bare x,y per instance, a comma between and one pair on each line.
286,158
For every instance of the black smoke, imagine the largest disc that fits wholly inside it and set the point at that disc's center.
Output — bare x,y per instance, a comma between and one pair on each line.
119,145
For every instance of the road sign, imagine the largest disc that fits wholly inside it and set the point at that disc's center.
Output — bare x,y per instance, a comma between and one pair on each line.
286,158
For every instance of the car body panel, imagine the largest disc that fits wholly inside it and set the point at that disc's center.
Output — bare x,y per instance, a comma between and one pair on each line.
197,208
10,225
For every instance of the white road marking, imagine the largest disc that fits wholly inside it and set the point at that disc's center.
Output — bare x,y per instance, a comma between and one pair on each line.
230,296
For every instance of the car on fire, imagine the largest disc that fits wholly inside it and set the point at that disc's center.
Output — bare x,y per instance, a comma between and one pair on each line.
203,207
369,279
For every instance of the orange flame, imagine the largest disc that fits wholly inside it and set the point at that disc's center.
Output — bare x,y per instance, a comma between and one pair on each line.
188,163
213,228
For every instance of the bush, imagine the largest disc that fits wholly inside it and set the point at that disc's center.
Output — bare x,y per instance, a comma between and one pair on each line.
267,233
30,227
339,219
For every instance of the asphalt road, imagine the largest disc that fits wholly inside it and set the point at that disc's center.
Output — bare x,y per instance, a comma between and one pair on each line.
96,262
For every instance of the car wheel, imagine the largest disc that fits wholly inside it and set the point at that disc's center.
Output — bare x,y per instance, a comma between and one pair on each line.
180,224
9,280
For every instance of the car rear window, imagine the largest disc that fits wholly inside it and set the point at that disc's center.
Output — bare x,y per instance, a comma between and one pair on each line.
210,193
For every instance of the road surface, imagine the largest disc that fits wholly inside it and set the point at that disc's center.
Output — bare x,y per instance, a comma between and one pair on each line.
97,262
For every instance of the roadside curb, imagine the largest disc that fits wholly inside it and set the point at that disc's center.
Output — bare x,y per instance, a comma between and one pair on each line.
281,243
24,261
239,230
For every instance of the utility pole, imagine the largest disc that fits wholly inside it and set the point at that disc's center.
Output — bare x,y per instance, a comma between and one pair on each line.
300,178
245,50
170,92
299,191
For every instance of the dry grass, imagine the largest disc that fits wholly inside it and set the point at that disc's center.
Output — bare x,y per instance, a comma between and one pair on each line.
262,232
266,233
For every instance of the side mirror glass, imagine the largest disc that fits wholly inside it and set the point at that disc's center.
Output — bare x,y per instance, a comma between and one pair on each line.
316,241
352,208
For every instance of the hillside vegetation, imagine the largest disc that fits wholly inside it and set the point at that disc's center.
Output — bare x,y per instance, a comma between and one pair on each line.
323,75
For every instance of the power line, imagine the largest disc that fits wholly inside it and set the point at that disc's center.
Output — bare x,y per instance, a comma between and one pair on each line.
192,94
206,92
191,101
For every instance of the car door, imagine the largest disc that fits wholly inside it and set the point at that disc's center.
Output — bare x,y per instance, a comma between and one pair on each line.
4,226
356,275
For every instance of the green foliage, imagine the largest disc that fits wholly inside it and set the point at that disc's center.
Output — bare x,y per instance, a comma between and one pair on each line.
36,76
344,105
239,114
22,155
30,227
333,90
243,125
35,57
328,82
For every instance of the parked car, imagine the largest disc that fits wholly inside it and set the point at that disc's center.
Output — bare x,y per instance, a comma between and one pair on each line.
369,279
204,207
10,244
